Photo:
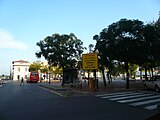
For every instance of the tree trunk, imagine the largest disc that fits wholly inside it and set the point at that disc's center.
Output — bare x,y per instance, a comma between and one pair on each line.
88,77
145,68
104,78
108,77
141,74
152,71
96,81
63,76
127,75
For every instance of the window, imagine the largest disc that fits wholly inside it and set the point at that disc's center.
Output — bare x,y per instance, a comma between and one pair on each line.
26,69
19,69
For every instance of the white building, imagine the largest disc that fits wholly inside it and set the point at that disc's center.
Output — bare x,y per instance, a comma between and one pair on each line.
20,69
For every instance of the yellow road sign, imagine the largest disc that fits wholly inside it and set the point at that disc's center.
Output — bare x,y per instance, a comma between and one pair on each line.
90,61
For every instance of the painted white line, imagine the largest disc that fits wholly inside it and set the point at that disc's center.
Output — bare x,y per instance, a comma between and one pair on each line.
52,91
0,85
108,94
129,98
132,96
138,99
152,107
145,102
121,95
126,97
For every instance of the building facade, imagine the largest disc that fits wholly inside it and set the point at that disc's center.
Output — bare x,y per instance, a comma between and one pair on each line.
20,69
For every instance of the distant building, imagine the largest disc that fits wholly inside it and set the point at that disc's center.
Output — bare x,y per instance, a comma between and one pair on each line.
20,69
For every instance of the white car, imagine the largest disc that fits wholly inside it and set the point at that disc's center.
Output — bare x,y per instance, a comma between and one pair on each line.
153,83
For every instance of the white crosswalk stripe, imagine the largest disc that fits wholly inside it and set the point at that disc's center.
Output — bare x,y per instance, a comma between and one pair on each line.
147,100
138,99
134,96
111,94
121,95
151,107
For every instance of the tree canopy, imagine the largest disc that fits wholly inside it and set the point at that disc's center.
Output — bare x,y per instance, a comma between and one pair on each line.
129,41
35,66
61,50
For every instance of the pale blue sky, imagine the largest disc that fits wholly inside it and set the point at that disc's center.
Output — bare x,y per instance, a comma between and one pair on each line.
25,22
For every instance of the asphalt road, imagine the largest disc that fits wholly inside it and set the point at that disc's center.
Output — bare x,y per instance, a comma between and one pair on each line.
31,102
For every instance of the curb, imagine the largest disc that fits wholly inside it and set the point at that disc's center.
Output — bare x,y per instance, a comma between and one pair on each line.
64,92
56,88
48,89
67,91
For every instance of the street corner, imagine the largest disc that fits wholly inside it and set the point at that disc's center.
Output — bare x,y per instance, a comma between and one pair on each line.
64,91
58,90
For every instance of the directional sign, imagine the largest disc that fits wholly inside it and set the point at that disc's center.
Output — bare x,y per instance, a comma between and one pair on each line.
90,61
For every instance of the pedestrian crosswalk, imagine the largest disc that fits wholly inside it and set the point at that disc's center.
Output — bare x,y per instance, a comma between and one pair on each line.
148,101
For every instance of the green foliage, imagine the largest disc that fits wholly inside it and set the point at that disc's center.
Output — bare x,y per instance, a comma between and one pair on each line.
61,50
57,71
44,69
132,69
90,47
122,38
118,69
131,41
35,66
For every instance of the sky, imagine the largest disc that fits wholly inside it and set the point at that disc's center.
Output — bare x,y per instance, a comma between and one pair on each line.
23,23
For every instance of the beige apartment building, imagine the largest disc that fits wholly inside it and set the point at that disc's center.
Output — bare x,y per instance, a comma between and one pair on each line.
20,69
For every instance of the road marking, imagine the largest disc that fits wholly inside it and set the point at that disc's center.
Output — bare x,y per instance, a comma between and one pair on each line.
132,96
108,94
52,91
138,99
145,102
121,95
152,107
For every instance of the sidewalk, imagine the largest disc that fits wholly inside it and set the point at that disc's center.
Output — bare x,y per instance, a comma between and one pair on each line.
114,86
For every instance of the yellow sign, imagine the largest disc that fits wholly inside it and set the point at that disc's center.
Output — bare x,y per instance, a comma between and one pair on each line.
90,61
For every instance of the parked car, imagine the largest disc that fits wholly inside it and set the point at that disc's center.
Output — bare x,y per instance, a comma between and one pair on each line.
2,82
153,83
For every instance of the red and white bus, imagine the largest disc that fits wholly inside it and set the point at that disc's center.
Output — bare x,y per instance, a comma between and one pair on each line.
34,77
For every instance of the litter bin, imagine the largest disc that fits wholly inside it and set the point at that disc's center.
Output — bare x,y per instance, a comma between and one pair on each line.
91,84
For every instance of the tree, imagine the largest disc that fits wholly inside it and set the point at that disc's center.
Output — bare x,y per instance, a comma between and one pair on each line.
57,71
61,50
35,66
44,69
100,47
132,70
120,42
118,69
151,40
91,47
